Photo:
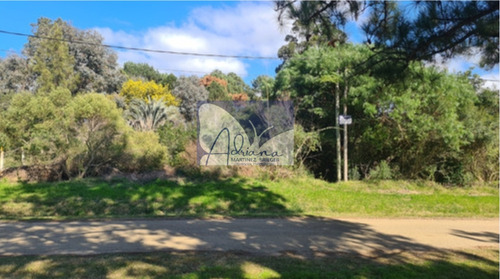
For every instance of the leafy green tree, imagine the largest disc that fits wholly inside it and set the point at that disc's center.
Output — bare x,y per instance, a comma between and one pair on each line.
316,81
95,64
147,72
37,126
52,62
311,80
481,156
189,91
235,84
422,126
263,85
425,123
97,131
216,92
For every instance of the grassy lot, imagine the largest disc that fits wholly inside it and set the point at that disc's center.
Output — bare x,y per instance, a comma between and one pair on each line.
242,197
478,263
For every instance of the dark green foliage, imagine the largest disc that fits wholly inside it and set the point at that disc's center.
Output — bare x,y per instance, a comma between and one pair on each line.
95,65
217,92
52,63
147,72
448,28
314,23
235,84
263,85
36,125
176,138
428,124
399,32
381,171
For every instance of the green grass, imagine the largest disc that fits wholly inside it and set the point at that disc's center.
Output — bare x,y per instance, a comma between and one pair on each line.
477,263
90,198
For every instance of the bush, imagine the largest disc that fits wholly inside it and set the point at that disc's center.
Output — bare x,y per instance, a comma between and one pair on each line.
147,90
176,138
143,152
382,171
354,174
97,130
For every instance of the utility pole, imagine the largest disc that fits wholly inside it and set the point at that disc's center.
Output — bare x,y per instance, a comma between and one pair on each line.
337,130
1,158
346,166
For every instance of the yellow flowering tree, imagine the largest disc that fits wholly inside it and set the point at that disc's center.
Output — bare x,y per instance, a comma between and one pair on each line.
138,89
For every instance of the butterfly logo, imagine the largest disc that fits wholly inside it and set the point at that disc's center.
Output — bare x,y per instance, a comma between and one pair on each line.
223,141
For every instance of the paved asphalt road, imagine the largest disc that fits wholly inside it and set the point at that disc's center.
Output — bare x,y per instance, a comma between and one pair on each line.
267,236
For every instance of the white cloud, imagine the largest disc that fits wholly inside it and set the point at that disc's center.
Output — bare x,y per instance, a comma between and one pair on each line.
455,65
120,38
245,29
491,81
464,63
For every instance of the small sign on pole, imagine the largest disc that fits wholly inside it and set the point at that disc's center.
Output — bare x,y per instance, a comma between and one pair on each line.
345,119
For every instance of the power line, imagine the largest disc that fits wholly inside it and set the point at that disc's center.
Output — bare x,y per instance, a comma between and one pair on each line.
8,50
186,71
142,49
155,51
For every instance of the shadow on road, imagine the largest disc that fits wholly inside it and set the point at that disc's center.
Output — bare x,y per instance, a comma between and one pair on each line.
325,247
488,237
305,236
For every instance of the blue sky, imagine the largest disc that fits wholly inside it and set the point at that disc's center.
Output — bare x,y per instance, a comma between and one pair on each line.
232,28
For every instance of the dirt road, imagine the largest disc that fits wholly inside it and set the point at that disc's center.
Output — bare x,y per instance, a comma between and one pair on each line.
267,236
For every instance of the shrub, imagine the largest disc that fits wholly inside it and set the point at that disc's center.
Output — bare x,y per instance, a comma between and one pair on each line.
382,171
176,138
143,152
354,174
96,129
146,91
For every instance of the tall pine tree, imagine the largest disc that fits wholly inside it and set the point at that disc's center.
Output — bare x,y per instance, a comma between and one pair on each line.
52,62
